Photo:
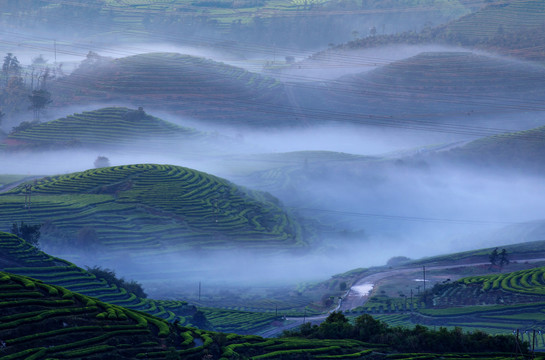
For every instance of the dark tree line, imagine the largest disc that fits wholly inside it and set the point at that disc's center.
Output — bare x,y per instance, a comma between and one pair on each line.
418,339
111,277
29,233
23,88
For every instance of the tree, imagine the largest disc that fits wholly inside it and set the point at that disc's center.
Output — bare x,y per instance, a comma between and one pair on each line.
493,257
504,260
199,320
10,68
29,233
101,161
111,278
39,100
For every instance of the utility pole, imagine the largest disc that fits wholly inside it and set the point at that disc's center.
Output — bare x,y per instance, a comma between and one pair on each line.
305,316
199,291
424,272
28,194
411,304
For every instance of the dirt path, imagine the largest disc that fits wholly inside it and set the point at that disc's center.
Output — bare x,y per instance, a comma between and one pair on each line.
360,291
12,185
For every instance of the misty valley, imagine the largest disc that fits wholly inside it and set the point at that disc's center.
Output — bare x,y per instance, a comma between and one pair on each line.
272,179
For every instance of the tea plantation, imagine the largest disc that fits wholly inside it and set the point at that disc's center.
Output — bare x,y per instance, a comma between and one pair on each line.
19,257
43,321
189,85
107,127
150,209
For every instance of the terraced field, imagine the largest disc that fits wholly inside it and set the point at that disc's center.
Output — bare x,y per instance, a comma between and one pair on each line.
185,84
19,257
436,86
530,282
42,321
151,209
503,16
522,150
496,303
107,127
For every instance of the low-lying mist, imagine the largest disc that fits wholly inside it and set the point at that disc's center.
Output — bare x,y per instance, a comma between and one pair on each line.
397,197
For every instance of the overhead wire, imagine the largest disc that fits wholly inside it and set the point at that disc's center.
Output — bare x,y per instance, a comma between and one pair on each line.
406,218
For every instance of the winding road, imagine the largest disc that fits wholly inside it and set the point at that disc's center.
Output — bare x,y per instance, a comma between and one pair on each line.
360,291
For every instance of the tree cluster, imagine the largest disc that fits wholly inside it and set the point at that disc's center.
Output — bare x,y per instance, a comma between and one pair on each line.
29,233
418,339
500,259
111,277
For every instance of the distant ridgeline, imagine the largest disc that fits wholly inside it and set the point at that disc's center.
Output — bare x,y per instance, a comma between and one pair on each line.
188,85
149,210
519,151
107,127
513,28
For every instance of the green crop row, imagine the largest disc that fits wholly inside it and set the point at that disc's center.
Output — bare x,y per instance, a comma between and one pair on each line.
524,281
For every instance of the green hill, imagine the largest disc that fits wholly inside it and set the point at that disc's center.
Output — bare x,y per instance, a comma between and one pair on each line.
433,87
19,257
520,151
107,127
499,18
150,209
189,85
42,321
512,28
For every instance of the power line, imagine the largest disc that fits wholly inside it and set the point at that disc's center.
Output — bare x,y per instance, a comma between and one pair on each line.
407,218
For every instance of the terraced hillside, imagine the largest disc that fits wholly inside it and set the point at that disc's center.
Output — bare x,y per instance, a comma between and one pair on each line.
107,127
511,28
150,209
421,91
19,257
521,151
42,321
499,18
497,303
188,85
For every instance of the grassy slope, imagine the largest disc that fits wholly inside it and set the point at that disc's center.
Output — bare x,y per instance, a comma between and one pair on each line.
433,86
493,302
509,27
152,209
523,150
115,126
41,321
506,16
19,257
190,85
